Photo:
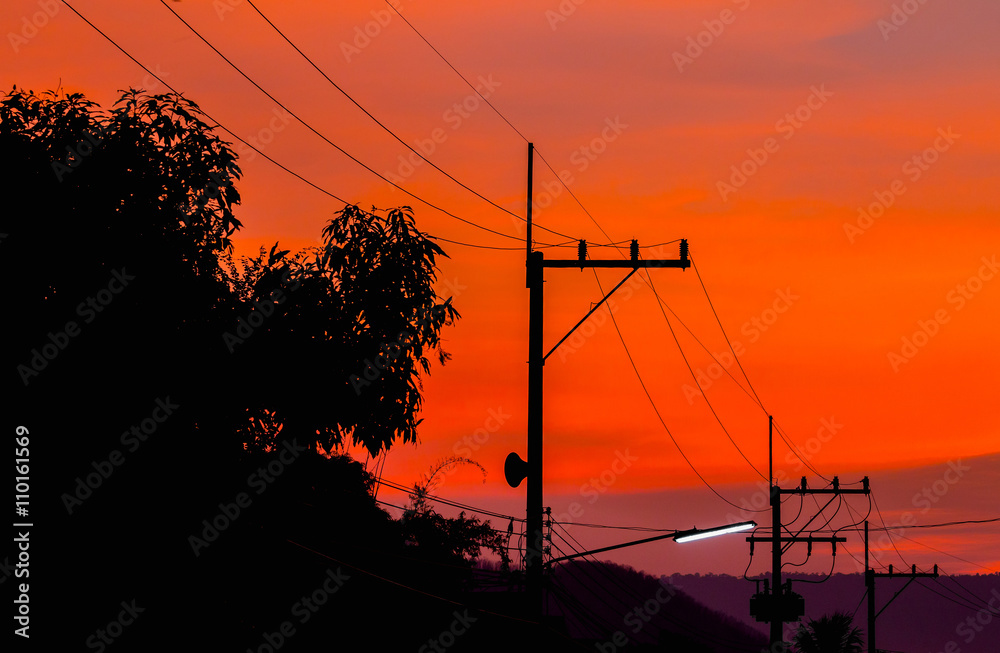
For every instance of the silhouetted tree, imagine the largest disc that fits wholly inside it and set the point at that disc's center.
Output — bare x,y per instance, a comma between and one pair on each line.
324,346
455,541
341,359
829,634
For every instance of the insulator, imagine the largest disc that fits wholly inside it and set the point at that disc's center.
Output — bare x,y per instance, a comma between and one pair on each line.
634,250
684,249
581,251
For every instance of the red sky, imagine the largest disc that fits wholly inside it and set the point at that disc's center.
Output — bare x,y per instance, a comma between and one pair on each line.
837,100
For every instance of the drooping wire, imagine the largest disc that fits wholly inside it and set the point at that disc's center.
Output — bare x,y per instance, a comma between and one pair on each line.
324,137
388,130
660,417
724,334
703,395
218,123
646,277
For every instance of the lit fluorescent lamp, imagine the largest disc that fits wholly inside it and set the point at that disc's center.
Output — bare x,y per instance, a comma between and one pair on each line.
696,534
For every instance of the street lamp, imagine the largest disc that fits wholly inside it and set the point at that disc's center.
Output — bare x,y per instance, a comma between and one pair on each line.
696,534
678,536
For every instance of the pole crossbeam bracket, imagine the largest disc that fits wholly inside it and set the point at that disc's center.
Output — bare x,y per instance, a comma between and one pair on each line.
789,538
589,313
683,263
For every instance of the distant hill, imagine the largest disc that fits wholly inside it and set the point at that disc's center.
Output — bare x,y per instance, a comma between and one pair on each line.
926,617
614,608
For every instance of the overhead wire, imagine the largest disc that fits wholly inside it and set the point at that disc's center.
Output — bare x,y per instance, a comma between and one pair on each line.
387,129
611,241
660,417
718,320
703,394
455,504
631,591
205,113
324,137
888,532
236,136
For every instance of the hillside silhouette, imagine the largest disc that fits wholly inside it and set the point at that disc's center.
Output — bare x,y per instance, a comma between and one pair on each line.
925,617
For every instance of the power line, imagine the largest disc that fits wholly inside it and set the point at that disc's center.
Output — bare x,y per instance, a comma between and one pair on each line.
324,138
219,124
633,592
703,394
760,403
571,193
386,129
724,335
950,555
660,417
229,131
962,603
449,502
887,531
456,242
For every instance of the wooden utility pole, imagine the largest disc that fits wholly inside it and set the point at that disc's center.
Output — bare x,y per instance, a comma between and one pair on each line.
870,577
516,469
782,605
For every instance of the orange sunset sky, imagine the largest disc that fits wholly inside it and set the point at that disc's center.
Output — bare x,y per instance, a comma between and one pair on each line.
833,166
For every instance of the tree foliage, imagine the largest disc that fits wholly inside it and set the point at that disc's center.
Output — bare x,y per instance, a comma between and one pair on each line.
135,206
829,634
362,318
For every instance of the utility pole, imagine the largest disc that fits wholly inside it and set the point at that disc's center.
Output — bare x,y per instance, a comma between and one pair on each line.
782,605
870,577
516,469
